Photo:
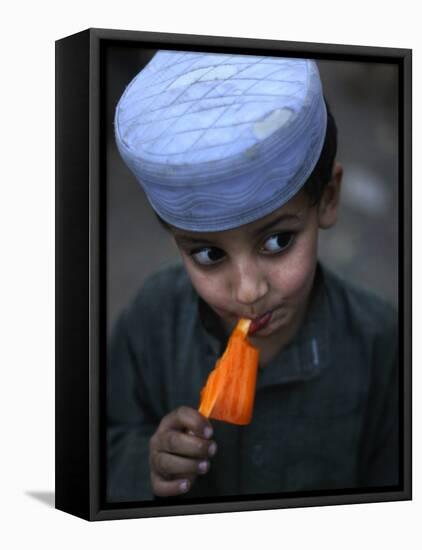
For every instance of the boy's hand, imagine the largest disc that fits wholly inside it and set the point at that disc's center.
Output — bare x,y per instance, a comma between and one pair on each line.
180,450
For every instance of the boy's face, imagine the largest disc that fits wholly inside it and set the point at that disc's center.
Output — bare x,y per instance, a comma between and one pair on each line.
263,269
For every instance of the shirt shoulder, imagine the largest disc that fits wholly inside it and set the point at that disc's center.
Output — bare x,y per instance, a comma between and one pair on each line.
164,337
150,319
362,311
163,296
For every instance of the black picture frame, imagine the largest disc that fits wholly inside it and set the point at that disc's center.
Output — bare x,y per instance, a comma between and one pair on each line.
81,268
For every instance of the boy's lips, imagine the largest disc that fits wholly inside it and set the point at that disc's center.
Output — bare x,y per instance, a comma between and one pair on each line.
260,322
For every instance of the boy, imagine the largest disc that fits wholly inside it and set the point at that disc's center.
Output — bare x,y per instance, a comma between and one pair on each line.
236,155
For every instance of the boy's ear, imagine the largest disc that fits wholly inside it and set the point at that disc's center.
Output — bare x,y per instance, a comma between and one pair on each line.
328,205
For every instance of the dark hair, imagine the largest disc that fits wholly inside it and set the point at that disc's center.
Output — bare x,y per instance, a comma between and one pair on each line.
321,174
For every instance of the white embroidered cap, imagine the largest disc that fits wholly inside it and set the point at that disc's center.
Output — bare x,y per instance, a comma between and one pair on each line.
220,140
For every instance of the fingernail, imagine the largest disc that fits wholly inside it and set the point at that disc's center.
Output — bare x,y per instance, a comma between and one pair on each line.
184,486
212,449
208,432
203,466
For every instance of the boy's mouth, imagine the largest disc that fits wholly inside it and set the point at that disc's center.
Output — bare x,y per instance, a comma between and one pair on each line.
259,323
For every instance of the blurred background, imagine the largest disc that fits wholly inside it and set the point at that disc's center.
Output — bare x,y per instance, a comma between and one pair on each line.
362,247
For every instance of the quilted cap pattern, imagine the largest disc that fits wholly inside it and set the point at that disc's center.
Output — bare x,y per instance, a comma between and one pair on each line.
220,140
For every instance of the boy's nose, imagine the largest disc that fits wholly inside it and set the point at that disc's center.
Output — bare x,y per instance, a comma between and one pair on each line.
250,284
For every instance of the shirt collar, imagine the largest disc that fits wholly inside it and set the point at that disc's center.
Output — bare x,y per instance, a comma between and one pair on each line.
304,358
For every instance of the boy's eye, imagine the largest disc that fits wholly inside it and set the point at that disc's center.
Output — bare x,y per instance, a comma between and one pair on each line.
277,243
207,255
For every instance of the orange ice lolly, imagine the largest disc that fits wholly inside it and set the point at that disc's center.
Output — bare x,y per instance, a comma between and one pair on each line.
229,392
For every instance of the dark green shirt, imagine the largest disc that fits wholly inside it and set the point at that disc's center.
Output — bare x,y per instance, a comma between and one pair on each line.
326,407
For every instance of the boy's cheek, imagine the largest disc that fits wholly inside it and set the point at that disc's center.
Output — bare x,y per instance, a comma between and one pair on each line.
209,288
214,295
292,281
293,278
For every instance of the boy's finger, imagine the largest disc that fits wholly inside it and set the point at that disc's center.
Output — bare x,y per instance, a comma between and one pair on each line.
187,444
168,465
187,419
165,488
